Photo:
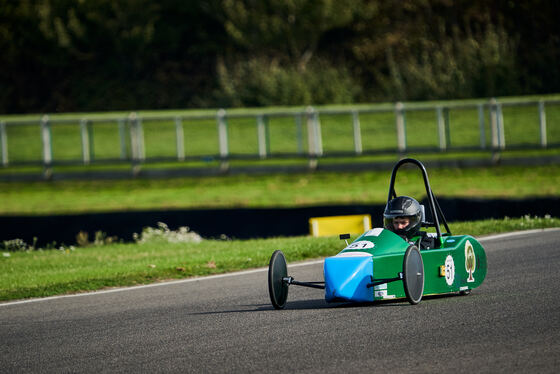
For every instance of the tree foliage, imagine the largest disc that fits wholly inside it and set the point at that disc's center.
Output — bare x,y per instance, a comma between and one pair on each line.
70,55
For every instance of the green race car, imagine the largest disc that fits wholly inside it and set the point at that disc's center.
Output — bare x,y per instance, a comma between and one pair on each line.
395,261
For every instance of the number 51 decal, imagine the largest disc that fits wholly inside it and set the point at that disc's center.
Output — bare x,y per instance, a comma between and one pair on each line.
362,244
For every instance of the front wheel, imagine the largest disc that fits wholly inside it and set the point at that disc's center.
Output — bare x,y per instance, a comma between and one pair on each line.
413,275
277,287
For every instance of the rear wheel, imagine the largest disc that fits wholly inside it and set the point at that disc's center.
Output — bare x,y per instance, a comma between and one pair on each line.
413,275
277,287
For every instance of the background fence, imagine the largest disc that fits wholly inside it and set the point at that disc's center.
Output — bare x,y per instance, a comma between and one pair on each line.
290,133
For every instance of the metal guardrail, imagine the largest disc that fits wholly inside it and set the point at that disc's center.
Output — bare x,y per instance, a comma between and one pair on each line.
132,138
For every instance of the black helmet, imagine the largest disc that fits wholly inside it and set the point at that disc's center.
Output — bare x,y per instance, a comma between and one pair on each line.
403,206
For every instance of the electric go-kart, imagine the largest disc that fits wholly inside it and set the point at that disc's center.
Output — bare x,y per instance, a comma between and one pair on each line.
381,265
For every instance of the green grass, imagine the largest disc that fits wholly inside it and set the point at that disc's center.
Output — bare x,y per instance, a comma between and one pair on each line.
40,273
278,190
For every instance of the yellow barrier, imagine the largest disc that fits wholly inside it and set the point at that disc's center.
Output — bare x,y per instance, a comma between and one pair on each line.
326,226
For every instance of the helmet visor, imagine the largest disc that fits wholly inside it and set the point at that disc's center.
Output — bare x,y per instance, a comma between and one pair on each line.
402,225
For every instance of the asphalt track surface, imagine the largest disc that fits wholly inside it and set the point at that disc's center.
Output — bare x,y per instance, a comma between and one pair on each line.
226,324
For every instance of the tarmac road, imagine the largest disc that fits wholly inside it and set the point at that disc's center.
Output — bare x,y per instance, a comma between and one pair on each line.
226,324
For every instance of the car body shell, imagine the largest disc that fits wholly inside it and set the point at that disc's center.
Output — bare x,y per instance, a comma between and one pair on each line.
457,265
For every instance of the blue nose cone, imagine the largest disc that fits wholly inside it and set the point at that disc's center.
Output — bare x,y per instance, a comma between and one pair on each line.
347,277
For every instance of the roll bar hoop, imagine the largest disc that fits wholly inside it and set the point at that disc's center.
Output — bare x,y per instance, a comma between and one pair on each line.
435,209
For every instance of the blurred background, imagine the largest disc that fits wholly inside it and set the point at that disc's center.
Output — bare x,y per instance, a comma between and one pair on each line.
69,55
132,90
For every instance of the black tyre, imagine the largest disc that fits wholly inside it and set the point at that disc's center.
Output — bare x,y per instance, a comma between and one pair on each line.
277,288
413,275
465,292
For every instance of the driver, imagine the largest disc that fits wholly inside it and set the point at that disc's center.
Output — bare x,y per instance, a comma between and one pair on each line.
403,216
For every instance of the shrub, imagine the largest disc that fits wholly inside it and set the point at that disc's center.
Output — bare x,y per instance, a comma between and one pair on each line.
17,244
163,233
266,82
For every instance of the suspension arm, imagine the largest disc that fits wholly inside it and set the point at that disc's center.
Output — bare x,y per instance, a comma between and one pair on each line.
290,280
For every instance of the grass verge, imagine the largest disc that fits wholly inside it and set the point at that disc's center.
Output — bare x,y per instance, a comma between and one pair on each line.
40,273
278,190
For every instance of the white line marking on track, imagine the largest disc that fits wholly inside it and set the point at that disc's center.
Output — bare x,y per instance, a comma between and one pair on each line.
167,283
239,273
514,234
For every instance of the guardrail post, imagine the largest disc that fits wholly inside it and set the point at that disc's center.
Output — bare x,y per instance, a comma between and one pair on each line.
262,137
501,132
481,126
400,123
494,123
357,132
314,133
46,140
47,143
542,124
140,134
223,139
312,138
318,134
133,137
122,137
441,129
137,142
310,132
299,133
180,139
4,143
86,141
